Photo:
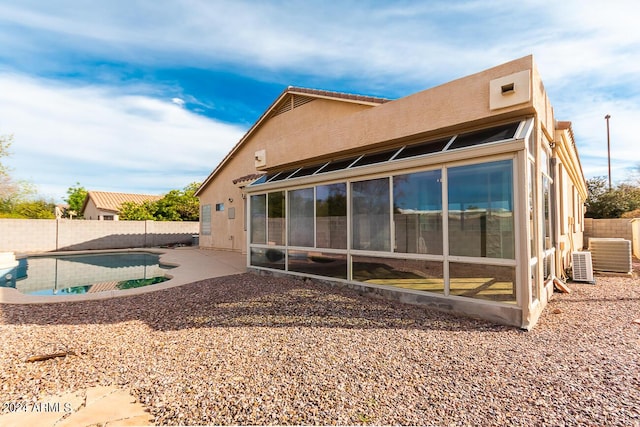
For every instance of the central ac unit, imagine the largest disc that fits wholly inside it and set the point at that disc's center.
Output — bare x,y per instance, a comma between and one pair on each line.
582,267
611,254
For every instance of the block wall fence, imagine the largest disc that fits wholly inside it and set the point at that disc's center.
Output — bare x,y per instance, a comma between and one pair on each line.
626,228
608,228
44,235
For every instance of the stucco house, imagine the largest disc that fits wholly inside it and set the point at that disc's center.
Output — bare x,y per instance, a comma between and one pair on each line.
104,205
466,197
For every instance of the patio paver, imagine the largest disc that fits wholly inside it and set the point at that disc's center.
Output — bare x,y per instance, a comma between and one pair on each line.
105,406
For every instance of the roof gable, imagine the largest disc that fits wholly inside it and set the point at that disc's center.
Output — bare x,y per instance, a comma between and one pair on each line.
108,201
292,97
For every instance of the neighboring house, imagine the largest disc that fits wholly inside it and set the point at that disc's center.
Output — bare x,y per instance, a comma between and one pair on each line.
467,197
102,205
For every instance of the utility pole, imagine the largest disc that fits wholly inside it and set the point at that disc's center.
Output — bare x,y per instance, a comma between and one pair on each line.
607,117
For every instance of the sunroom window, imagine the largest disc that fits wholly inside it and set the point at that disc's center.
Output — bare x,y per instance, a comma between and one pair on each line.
370,206
481,210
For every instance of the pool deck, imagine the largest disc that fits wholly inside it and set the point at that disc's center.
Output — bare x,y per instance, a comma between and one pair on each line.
192,264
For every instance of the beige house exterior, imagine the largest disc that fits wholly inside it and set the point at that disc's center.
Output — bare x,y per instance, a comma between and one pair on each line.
467,197
103,205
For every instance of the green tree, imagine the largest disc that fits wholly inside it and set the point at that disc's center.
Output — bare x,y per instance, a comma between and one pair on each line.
132,211
181,205
75,198
610,203
176,205
35,209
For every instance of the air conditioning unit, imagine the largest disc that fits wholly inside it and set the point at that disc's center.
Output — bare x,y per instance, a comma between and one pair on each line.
611,255
582,267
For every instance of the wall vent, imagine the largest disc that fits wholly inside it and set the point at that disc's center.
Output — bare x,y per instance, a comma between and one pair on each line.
507,91
260,159
611,255
582,267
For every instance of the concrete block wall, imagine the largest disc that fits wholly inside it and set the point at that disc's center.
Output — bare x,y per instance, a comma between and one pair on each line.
84,235
39,235
607,228
28,235
159,233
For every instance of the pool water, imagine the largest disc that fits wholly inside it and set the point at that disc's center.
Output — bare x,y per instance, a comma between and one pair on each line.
82,274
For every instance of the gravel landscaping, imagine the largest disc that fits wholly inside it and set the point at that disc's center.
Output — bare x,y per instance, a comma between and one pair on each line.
247,349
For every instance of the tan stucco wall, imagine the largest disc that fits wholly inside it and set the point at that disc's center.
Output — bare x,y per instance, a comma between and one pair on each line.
542,105
290,137
571,228
428,113
228,233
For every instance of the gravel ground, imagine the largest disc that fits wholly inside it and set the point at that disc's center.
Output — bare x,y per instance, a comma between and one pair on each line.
247,349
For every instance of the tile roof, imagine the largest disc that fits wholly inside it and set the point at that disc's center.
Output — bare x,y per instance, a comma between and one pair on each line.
108,201
247,178
338,95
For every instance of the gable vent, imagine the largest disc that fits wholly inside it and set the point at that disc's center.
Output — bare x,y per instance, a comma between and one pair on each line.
293,101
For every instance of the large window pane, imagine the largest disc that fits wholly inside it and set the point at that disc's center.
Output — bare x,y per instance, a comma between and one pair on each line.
318,263
546,196
489,282
301,217
331,216
276,218
485,136
532,211
535,286
269,258
413,274
258,218
481,210
371,230
417,212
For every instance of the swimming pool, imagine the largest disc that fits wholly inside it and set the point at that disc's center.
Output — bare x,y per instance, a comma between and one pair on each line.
85,274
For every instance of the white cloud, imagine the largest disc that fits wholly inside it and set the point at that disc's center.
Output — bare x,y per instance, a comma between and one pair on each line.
178,101
102,137
587,54
415,41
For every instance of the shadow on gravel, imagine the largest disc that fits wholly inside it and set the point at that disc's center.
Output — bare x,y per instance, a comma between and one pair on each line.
246,300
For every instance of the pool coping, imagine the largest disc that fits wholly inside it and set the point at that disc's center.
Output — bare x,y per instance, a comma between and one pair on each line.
189,264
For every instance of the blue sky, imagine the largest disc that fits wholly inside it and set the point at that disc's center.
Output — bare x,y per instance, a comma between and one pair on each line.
143,96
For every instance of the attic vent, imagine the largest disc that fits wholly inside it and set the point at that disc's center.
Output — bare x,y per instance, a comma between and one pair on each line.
611,255
299,100
293,101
